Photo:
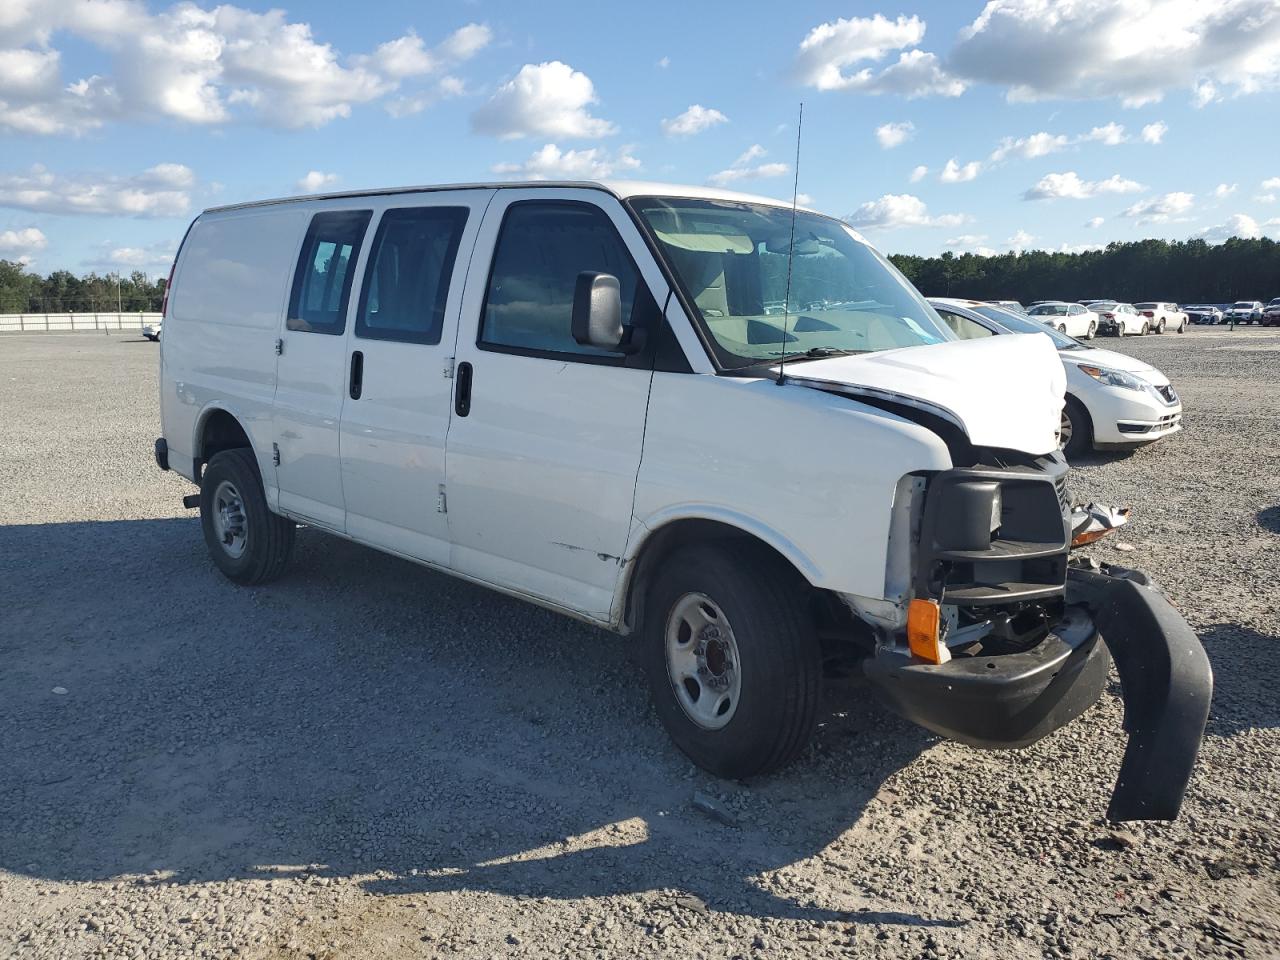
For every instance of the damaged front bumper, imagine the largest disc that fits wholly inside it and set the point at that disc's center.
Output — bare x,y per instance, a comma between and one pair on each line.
1014,699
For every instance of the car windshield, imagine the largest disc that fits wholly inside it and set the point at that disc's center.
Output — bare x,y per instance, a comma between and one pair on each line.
1016,323
1145,306
731,261
1048,310
1244,305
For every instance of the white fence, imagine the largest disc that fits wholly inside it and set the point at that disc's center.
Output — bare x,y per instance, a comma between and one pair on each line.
40,322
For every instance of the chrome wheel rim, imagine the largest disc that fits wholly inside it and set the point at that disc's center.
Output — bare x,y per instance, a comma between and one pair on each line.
1064,431
229,521
702,661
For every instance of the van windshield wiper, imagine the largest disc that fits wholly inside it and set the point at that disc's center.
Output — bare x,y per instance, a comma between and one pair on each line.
813,353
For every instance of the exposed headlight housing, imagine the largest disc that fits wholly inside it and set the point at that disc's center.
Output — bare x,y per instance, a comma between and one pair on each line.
1114,378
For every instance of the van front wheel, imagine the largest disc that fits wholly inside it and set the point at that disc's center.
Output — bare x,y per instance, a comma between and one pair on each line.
733,660
248,542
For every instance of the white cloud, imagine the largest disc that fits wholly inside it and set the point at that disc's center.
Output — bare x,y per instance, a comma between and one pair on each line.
965,240
316,180
1020,240
198,66
1093,223
1264,198
830,50
157,257
1203,94
1224,190
1237,225
1110,134
1069,185
892,135
956,173
664,63
21,244
446,88
543,100
1162,209
919,173
552,163
1271,183
1154,132
1079,247
1028,148
900,210
744,168
160,191
694,120
1086,49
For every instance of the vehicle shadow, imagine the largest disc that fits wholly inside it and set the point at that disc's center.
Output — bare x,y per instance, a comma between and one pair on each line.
364,717
1269,518
1243,695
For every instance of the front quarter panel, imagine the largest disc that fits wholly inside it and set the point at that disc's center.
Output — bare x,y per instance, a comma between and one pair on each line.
810,473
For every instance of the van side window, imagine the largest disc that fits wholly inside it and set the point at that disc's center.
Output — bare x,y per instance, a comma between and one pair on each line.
542,247
406,283
322,281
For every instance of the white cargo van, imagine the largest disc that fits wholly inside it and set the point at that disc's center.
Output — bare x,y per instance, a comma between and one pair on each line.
729,429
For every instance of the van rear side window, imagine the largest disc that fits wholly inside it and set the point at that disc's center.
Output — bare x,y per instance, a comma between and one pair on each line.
406,284
322,281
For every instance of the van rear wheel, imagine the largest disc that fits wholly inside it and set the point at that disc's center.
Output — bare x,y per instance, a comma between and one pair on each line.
248,542
733,660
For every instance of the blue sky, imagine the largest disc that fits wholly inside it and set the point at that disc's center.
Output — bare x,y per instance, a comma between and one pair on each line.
930,125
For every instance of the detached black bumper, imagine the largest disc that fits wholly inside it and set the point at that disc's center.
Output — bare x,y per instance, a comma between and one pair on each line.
1013,700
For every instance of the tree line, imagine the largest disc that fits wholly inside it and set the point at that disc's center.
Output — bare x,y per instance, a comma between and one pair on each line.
22,291
1183,271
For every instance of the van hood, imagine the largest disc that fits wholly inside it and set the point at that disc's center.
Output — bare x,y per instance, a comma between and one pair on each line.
1001,391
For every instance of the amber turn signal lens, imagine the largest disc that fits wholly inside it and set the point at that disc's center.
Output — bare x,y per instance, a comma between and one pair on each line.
923,632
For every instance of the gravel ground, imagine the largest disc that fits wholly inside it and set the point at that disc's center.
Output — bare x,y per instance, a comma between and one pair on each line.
369,759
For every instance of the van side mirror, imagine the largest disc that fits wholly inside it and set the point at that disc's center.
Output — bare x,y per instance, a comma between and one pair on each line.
597,311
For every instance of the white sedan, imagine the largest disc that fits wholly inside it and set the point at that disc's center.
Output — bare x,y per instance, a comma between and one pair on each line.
1163,316
152,330
1113,401
1073,319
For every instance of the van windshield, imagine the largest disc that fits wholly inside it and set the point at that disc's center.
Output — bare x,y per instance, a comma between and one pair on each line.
731,261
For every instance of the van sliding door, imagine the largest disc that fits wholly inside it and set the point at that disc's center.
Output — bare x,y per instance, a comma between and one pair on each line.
310,373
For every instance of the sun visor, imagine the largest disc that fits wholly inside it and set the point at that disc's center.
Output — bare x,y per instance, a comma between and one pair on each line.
707,242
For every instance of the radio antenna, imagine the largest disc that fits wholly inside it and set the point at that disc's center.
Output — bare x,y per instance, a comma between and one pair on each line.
791,251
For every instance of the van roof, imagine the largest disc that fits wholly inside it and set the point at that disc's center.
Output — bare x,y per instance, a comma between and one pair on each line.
622,189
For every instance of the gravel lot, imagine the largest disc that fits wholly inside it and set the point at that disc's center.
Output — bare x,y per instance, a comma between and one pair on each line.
369,759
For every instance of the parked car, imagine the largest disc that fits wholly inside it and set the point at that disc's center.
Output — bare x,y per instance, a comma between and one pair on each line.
1161,316
1013,305
1120,319
1203,313
152,330
610,424
1073,319
1244,311
1271,314
1113,401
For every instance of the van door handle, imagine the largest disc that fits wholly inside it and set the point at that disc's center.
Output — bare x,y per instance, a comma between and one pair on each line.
462,390
357,375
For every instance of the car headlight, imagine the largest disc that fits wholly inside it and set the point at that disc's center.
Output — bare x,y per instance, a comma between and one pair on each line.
1114,378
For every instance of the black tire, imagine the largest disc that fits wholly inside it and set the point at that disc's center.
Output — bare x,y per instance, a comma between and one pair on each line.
1146,328
268,537
1092,331
1081,428
1160,327
1062,328
764,602
1182,327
